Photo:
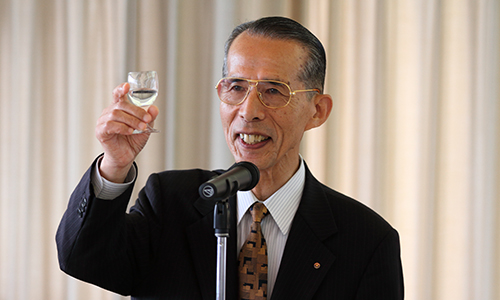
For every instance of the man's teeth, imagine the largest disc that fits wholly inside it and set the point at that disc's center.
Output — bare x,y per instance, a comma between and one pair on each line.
252,139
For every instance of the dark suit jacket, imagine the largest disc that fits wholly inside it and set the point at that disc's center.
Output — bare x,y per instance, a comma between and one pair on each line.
165,248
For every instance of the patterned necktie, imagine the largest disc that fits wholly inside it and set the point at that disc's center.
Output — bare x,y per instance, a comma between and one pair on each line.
253,259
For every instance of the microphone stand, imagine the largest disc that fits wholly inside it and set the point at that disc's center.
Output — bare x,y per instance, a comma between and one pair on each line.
242,176
221,226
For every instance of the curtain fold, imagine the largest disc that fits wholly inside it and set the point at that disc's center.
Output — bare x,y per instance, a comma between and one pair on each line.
414,132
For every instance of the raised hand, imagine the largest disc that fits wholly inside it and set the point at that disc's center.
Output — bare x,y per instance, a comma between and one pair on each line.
114,130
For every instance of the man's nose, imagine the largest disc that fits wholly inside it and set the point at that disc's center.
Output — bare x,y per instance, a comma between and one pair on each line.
252,108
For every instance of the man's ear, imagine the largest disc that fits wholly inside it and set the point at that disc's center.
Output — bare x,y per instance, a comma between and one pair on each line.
323,104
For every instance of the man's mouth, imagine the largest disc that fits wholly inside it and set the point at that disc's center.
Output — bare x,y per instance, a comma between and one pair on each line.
253,138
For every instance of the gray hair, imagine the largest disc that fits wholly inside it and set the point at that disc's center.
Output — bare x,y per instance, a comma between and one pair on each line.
313,72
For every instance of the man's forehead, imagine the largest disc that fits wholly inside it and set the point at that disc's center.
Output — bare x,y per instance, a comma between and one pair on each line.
256,38
273,59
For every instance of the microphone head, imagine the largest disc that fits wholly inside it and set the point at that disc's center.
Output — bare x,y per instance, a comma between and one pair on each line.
242,176
254,171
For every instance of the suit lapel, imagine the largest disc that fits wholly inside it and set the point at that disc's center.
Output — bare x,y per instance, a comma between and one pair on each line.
203,245
306,260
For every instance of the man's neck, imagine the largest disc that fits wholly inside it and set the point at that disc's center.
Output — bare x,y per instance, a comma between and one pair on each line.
272,180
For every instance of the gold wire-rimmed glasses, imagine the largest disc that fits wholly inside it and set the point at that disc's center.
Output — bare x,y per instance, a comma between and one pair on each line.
272,93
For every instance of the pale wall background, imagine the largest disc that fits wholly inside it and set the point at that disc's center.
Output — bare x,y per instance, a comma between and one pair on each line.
414,134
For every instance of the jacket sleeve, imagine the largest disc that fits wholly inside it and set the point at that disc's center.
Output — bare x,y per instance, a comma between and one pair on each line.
92,239
383,278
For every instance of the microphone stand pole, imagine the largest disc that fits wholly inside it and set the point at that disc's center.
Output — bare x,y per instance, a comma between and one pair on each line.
221,226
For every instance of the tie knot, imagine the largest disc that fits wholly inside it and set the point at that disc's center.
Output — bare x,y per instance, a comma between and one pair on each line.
258,211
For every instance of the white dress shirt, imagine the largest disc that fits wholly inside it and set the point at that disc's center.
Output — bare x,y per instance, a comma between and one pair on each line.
107,190
282,206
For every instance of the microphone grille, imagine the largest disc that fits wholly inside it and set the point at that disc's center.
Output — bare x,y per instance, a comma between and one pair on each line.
254,171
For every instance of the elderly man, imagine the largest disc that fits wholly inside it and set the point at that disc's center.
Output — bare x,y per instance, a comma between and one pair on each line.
310,242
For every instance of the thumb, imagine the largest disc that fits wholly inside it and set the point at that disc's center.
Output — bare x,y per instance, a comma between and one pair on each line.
120,91
153,111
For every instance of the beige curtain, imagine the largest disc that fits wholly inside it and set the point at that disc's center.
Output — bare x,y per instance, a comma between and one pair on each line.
414,134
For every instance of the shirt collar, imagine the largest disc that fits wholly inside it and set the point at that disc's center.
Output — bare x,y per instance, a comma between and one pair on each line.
282,205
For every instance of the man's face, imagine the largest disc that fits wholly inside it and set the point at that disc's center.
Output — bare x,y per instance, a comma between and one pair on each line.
269,138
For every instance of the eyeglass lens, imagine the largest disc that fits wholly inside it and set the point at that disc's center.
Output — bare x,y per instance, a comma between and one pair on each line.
272,93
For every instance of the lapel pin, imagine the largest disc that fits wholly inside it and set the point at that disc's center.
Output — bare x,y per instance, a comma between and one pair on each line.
317,265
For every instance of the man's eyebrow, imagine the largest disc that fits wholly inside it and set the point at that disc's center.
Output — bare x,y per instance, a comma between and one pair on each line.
279,80
237,78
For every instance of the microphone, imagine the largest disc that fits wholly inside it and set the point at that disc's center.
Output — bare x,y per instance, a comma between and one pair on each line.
242,176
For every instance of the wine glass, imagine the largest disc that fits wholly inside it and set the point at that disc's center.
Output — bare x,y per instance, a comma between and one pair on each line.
143,92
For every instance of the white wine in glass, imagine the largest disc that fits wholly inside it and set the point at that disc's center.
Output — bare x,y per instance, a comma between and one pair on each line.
143,92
